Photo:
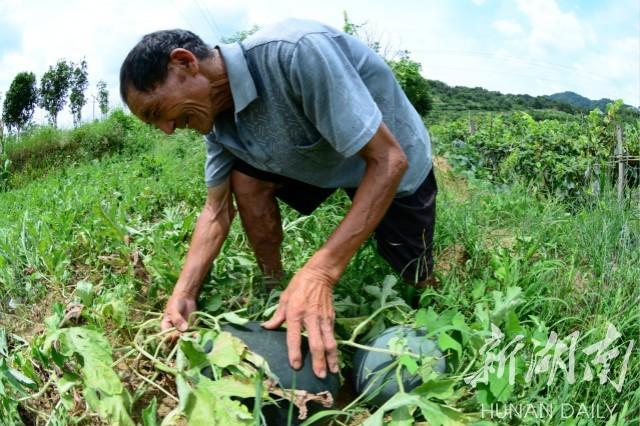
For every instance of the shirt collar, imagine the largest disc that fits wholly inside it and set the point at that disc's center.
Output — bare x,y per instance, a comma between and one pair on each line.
243,88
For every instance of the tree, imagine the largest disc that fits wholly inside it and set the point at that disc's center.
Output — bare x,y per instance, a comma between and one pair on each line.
407,71
54,86
20,101
240,35
78,82
414,85
1,127
103,97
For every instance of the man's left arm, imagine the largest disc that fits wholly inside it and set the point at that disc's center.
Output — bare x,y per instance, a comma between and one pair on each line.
308,300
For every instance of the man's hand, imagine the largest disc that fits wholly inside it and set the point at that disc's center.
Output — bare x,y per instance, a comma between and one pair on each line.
176,314
308,302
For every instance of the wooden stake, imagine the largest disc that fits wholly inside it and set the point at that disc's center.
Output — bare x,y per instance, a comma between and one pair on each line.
619,156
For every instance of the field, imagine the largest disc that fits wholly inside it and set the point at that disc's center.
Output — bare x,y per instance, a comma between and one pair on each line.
91,247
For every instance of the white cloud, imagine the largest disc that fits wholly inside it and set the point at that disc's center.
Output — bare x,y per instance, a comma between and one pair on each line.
507,27
534,46
552,28
478,2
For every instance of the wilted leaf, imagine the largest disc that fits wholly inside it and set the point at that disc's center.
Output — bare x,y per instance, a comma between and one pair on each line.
227,350
103,391
503,303
84,292
113,408
204,408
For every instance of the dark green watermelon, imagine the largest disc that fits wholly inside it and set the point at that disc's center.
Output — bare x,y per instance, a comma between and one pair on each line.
369,374
272,346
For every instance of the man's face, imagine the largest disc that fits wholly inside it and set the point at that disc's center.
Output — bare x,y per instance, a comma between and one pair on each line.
183,100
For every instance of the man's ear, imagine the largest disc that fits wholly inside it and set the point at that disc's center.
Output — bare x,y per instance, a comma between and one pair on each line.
184,59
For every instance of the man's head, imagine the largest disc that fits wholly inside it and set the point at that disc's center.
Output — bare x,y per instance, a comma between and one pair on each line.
169,80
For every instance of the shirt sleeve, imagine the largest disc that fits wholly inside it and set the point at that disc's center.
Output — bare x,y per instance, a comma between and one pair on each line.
218,163
333,95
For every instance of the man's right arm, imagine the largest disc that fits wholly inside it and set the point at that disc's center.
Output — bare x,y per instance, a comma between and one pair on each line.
210,232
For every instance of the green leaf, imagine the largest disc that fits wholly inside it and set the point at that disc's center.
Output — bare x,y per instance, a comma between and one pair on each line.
409,363
421,318
441,415
233,318
67,381
397,401
432,321
512,326
227,350
149,414
4,347
482,315
13,377
401,417
435,414
436,388
194,355
21,378
478,290
447,342
387,288
500,387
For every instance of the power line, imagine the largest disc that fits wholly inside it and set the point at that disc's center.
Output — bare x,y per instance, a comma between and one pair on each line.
208,17
184,18
542,64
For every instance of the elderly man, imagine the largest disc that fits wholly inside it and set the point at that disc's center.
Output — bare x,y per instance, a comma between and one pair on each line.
294,112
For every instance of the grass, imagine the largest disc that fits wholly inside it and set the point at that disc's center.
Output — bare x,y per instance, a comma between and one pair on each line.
110,232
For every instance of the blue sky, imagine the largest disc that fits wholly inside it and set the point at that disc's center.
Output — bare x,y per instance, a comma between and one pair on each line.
518,46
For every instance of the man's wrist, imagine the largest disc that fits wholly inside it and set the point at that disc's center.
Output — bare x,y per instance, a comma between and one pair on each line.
323,264
186,291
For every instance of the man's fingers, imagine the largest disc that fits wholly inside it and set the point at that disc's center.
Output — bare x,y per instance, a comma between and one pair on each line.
316,346
293,343
277,319
166,323
180,323
330,345
174,320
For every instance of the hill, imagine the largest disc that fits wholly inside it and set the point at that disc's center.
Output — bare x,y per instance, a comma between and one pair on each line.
454,101
580,102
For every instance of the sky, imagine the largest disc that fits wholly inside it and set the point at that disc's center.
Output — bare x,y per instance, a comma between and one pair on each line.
538,47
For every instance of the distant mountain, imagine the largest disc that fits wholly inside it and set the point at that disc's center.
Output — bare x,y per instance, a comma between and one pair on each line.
449,101
580,101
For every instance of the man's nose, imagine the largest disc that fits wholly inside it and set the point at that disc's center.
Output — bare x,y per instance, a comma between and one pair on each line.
166,126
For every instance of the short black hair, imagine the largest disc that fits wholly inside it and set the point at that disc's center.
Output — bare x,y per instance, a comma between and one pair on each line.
146,65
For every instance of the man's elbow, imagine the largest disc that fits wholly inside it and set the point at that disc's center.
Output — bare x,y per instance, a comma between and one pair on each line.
399,162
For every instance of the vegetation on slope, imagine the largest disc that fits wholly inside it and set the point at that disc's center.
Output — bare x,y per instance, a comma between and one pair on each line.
89,253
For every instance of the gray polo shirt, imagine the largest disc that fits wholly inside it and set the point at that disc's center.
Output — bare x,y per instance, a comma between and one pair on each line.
306,99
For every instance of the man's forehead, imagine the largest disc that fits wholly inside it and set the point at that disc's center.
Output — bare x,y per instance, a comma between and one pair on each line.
140,103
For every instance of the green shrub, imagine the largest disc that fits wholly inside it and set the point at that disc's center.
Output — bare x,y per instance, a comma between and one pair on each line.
44,148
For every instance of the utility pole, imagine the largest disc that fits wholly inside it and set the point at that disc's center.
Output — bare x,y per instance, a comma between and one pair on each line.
93,114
